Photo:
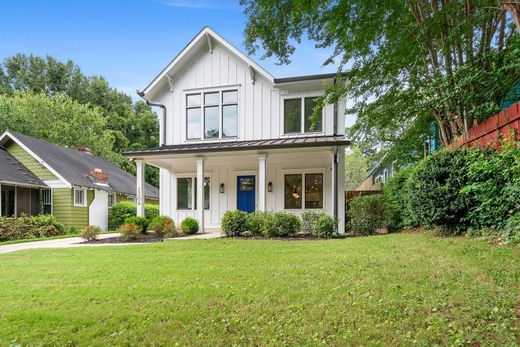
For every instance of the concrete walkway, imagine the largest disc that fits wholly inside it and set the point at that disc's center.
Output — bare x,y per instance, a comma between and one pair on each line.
70,242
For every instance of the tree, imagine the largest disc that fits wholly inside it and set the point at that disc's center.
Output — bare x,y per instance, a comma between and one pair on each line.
356,168
403,62
57,119
130,125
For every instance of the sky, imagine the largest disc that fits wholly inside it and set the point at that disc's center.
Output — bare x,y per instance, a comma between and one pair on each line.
130,41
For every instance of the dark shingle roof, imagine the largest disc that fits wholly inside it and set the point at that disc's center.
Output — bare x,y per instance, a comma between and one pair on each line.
75,167
289,142
12,171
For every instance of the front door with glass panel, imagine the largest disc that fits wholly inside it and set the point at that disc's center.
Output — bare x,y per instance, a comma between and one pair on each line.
246,193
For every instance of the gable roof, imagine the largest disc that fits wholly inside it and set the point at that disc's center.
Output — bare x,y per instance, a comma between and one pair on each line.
12,171
75,166
207,37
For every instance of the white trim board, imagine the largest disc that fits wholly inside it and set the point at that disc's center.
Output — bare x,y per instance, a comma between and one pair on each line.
36,157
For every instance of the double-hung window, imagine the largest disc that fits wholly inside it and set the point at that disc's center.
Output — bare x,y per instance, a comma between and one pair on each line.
212,115
303,191
80,197
46,201
187,193
298,116
111,199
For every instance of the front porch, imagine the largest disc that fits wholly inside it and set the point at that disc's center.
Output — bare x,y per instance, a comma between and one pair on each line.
18,199
206,185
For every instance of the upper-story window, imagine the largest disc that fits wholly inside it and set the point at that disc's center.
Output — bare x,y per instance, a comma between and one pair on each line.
298,116
212,115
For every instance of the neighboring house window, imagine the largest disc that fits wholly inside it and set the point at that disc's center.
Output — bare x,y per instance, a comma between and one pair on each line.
298,114
130,198
303,190
46,201
186,193
80,197
212,115
111,200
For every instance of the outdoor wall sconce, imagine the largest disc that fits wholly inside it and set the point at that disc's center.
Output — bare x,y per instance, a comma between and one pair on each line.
270,187
221,188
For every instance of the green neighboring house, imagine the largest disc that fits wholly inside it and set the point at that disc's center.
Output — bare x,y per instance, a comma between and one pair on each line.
78,188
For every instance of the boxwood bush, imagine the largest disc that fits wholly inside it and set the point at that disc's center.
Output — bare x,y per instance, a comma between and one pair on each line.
281,224
325,226
366,214
257,222
190,225
141,222
309,221
234,223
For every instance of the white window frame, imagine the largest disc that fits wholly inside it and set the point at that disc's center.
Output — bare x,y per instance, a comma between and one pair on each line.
303,173
50,197
302,131
114,200
84,191
220,106
193,192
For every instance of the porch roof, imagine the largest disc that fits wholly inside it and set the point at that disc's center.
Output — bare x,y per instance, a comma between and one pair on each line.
229,146
14,172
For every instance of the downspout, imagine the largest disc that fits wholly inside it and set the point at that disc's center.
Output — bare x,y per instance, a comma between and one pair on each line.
141,94
336,189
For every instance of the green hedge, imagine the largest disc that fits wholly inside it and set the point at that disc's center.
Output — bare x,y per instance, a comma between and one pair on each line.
457,191
26,227
367,214
122,210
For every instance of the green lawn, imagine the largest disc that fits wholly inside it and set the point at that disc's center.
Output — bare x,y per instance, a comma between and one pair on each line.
395,289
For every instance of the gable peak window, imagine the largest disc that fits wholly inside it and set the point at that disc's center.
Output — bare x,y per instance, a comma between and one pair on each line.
298,115
212,115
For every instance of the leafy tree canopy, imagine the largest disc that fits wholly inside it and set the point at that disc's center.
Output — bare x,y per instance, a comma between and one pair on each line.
356,168
403,62
32,89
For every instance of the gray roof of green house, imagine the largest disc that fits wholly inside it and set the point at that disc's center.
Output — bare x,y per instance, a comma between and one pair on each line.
12,171
76,166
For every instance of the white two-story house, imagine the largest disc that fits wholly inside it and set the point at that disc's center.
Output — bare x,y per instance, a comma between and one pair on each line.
234,137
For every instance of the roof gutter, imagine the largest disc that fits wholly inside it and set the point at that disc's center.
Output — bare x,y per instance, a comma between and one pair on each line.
163,125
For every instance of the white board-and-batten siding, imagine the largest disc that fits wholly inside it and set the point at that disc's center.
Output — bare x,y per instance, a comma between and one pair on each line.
260,105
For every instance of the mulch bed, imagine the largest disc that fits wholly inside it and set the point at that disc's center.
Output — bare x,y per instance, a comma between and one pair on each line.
144,238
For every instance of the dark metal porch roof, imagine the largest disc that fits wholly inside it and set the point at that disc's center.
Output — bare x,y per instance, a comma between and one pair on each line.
229,146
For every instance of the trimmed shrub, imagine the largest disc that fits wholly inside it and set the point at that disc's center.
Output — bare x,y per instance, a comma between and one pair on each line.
396,201
511,231
162,226
141,222
122,210
129,231
190,225
151,211
281,224
309,221
257,221
90,232
433,190
324,226
366,214
26,227
234,223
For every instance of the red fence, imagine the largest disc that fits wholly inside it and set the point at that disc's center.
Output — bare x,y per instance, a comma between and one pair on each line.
489,133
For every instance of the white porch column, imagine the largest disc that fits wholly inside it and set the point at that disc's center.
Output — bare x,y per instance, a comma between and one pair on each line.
341,189
200,192
139,191
261,181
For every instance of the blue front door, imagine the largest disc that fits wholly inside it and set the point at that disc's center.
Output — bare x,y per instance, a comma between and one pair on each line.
246,193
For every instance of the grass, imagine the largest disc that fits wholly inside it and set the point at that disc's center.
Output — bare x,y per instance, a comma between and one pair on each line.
399,289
